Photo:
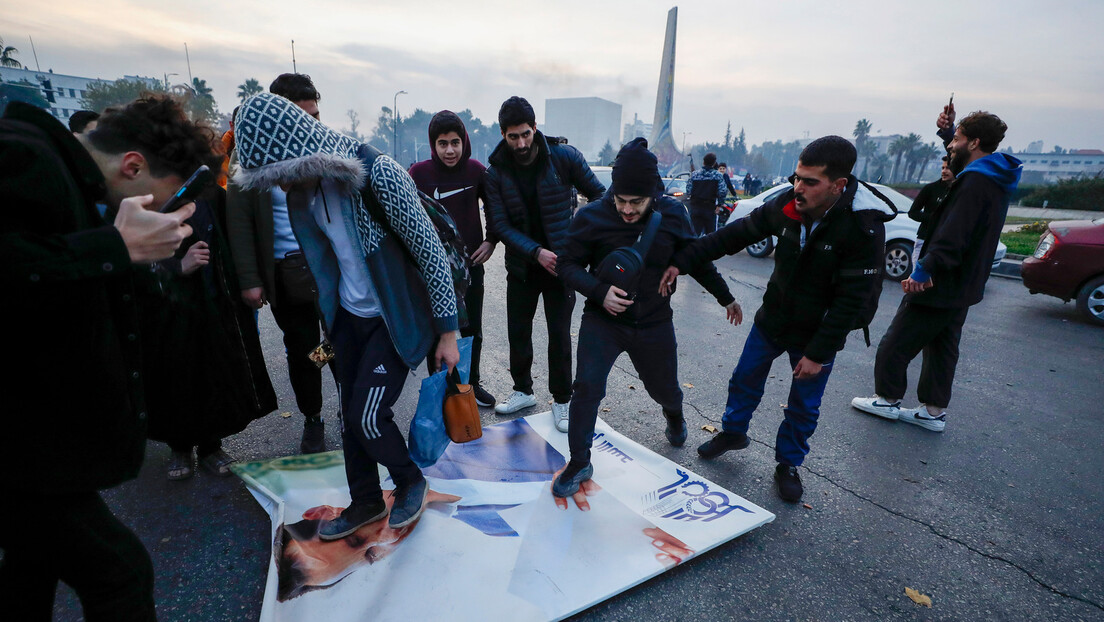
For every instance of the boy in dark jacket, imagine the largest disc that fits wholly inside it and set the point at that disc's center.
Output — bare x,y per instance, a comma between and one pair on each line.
948,278
615,320
529,200
458,182
924,206
831,238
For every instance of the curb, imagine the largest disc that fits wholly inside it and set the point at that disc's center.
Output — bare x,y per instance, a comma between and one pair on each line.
1009,268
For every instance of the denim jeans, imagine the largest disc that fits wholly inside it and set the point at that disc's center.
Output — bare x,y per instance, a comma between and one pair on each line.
745,390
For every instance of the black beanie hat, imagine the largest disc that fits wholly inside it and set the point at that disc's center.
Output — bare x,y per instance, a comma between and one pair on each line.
635,171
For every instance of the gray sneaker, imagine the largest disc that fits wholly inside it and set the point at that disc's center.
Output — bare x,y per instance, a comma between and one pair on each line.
560,416
516,402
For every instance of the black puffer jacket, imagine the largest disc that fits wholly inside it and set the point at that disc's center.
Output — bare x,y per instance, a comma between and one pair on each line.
72,389
563,167
816,294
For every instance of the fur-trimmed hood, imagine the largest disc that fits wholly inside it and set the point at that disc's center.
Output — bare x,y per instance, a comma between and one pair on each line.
279,143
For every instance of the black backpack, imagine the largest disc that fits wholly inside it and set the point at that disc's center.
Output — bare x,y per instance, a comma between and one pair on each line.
455,251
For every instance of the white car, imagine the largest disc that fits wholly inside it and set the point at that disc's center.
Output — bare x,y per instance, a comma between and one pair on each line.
900,232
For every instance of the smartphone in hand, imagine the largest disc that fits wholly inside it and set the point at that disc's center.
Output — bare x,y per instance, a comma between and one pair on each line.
191,189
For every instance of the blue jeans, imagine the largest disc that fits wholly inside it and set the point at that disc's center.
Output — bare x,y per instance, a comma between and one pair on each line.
745,390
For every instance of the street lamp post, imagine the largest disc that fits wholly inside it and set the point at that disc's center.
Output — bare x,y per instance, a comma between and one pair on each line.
167,79
684,135
395,123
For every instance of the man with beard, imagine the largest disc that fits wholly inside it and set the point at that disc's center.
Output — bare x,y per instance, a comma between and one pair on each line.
458,182
637,321
948,278
831,237
529,187
265,254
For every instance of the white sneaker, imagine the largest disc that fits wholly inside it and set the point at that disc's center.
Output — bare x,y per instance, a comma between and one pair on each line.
922,418
881,407
560,414
516,402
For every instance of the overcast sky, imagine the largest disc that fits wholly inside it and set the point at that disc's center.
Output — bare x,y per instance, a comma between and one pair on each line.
778,69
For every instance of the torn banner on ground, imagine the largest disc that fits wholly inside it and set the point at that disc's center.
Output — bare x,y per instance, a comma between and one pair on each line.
491,544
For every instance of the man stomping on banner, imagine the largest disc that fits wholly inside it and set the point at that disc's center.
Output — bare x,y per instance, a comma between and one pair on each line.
831,235
381,322
634,318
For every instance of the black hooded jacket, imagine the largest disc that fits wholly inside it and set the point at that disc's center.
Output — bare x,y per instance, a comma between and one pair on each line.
815,294
459,189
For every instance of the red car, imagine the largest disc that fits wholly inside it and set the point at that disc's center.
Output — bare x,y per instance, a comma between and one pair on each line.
1069,264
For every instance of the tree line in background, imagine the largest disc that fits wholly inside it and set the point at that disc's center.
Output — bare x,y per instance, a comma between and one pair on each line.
905,159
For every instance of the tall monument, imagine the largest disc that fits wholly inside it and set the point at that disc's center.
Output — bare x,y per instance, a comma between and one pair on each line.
662,142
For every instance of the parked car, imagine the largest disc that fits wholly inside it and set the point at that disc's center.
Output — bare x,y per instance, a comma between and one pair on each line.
1069,264
900,232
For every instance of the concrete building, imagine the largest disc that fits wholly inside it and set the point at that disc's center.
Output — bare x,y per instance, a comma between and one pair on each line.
63,92
587,122
636,129
1052,167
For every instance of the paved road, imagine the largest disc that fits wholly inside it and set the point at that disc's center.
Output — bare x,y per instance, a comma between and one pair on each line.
1000,517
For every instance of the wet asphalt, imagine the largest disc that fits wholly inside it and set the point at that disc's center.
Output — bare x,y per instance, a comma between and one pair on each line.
998,518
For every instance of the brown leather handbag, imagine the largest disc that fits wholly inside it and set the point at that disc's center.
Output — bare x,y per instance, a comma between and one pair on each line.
460,411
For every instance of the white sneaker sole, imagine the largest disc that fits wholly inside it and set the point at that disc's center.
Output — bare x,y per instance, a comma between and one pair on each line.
503,409
927,424
885,413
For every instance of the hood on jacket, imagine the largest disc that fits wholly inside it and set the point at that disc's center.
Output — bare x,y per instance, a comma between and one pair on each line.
1002,168
278,143
446,121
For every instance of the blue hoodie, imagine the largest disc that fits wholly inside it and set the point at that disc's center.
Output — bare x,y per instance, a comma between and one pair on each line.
959,255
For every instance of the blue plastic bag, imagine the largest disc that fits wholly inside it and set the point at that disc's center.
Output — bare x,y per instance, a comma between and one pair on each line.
428,439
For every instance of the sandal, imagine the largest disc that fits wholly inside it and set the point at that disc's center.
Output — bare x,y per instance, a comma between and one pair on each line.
181,466
217,462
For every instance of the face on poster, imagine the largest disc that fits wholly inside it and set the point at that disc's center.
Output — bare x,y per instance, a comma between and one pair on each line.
491,541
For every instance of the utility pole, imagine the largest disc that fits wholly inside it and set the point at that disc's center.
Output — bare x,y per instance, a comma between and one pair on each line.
37,66
293,69
191,80
395,124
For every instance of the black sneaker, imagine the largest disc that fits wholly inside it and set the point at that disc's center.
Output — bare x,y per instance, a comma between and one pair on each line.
571,478
789,484
676,430
314,436
409,503
725,441
482,397
354,517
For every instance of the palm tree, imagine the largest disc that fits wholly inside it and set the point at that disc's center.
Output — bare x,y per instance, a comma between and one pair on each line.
913,142
6,58
899,147
249,88
861,133
926,153
879,163
200,87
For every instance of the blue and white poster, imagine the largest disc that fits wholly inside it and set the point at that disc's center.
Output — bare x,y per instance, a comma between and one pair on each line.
492,544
